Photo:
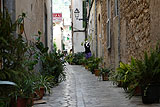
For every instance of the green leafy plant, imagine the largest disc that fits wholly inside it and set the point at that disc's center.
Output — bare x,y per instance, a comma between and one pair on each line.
104,71
93,63
45,82
126,76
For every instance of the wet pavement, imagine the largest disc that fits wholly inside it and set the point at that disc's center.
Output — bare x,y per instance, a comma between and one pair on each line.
83,89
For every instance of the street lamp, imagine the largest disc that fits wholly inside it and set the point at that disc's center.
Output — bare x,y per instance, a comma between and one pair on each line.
76,13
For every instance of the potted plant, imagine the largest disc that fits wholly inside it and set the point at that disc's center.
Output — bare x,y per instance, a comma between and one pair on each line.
96,63
148,78
43,84
104,73
24,92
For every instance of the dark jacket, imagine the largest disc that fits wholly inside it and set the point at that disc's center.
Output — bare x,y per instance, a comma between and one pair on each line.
87,47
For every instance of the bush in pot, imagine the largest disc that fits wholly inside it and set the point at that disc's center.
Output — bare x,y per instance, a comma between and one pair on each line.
149,69
25,90
126,76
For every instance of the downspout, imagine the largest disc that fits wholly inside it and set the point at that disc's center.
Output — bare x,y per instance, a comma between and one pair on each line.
72,26
51,27
96,28
119,57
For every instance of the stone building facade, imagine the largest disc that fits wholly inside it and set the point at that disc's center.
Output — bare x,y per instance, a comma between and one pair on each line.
126,28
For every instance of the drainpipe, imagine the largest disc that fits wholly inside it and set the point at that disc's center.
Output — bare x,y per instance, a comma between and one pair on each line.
119,57
51,27
72,26
96,28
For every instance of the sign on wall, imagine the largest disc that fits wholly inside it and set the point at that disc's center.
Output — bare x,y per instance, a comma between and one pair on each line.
57,17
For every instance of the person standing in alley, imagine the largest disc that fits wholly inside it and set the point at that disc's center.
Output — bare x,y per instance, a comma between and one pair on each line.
87,50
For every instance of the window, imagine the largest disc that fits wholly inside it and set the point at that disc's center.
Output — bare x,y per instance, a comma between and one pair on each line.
108,24
116,8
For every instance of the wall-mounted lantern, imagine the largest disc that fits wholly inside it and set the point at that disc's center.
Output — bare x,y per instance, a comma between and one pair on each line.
76,13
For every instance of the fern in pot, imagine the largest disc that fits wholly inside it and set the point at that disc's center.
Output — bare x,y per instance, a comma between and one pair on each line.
149,75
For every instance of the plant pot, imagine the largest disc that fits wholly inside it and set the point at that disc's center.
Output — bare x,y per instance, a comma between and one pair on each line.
40,93
150,94
93,72
119,84
137,91
105,77
30,102
97,72
22,102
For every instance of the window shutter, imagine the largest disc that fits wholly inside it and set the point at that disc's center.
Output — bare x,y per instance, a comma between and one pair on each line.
108,35
84,13
116,8
89,3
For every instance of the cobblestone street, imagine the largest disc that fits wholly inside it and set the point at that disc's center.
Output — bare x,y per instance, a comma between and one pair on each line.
82,89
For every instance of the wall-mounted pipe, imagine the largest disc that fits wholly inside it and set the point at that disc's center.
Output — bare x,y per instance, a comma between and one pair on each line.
96,28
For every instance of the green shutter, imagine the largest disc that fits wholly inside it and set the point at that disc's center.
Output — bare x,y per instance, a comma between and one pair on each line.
84,13
89,3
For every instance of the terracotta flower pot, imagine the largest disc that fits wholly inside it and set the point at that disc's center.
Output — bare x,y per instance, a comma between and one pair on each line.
105,77
97,72
21,102
137,91
30,102
40,93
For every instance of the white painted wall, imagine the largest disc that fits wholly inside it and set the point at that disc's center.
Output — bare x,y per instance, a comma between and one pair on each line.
78,37
57,35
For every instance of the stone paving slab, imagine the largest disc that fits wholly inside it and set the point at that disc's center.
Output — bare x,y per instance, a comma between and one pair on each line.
82,89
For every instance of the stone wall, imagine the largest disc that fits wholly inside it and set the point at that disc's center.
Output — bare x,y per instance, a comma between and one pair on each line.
135,19
109,54
134,31
155,21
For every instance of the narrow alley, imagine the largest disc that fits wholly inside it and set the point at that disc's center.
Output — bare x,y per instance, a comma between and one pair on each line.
82,89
